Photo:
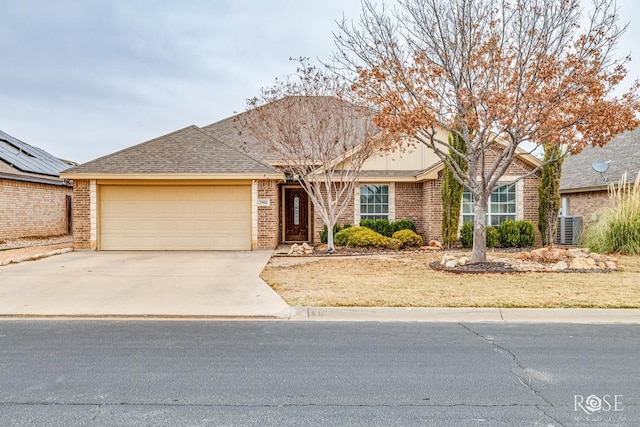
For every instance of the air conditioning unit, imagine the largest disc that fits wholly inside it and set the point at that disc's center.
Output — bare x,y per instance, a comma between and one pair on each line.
569,230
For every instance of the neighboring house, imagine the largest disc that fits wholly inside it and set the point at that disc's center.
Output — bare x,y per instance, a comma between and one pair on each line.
34,200
211,189
583,190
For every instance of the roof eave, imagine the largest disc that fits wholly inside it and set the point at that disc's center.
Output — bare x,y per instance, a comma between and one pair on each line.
173,176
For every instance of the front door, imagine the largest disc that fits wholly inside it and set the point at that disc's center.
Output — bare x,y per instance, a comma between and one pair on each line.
296,215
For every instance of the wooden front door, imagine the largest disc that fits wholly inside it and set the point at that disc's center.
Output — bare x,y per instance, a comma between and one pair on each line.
296,215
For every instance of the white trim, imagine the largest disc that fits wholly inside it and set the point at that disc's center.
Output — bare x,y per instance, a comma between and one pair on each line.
93,214
356,199
520,200
254,214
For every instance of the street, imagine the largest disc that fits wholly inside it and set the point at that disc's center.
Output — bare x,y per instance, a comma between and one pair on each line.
162,372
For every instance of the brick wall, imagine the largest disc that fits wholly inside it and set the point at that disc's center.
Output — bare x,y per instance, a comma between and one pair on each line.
81,215
587,204
32,210
268,216
409,204
432,200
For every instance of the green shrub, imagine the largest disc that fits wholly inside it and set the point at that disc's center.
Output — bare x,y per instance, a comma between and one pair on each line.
403,224
509,234
492,237
617,229
369,223
407,238
360,237
324,234
466,234
527,234
394,244
516,234
346,225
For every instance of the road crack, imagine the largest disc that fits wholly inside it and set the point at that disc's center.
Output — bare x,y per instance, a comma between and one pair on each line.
519,370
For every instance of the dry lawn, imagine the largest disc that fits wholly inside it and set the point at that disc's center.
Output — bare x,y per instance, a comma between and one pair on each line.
407,281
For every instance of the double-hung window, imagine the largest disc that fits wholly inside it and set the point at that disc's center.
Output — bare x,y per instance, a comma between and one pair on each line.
501,206
374,201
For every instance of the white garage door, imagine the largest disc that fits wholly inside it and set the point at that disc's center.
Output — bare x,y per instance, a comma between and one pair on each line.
175,217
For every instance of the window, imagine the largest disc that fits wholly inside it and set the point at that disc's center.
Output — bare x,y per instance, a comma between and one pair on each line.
374,201
502,205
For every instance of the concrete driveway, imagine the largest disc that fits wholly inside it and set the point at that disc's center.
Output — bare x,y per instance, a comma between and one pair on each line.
141,284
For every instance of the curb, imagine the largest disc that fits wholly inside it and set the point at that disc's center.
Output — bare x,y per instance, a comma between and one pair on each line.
34,257
467,315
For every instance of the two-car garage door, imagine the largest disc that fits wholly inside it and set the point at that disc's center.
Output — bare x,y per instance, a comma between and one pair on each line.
175,217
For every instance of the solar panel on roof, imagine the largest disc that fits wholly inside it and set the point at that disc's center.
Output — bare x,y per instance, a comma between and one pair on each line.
28,158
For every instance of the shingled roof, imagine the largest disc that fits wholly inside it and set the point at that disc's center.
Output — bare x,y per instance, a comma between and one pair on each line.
186,151
621,153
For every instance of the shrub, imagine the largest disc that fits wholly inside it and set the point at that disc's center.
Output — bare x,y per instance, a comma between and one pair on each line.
617,229
407,238
346,225
509,234
394,244
516,234
369,223
492,237
324,234
466,234
403,224
527,234
360,237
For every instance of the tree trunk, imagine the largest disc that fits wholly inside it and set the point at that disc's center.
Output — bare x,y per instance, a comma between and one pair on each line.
330,244
479,250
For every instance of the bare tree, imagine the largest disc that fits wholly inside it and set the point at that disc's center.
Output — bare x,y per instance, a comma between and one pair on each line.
515,72
317,137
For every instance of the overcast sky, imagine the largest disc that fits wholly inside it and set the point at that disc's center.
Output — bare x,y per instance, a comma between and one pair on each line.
82,79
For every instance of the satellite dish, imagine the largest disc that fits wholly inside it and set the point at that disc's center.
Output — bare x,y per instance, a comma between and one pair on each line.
601,167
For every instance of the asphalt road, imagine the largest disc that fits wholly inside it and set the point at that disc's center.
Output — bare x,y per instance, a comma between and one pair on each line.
78,372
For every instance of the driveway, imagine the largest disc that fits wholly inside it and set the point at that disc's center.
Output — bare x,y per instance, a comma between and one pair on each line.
141,284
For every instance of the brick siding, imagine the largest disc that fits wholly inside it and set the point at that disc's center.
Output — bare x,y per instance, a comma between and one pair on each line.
409,204
81,214
268,216
587,204
32,210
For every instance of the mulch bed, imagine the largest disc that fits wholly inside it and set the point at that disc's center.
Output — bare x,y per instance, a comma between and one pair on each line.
477,268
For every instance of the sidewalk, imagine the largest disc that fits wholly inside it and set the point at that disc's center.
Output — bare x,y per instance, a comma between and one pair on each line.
470,315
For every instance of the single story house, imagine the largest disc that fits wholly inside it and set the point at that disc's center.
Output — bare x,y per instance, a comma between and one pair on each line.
34,200
208,188
587,175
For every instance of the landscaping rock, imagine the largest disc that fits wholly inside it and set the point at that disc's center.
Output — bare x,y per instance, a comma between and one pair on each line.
435,244
463,261
582,263
612,265
559,266
452,263
447,258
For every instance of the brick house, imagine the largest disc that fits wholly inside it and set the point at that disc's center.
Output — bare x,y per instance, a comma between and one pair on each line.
583,190
205,188
34,200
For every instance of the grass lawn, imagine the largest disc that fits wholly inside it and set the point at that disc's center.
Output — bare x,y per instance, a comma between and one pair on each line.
407,281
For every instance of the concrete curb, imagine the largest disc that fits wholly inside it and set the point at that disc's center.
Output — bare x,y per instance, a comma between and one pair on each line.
466,315
35,257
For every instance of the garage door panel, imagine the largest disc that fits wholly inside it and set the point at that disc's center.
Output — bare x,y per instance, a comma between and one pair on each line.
175,217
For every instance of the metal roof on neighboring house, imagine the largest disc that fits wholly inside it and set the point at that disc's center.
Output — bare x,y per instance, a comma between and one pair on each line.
27,158
622,154
186,151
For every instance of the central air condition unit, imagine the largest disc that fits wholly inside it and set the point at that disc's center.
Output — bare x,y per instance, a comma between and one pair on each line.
569,230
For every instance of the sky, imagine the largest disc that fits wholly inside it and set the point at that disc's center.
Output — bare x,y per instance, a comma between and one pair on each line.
82,79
